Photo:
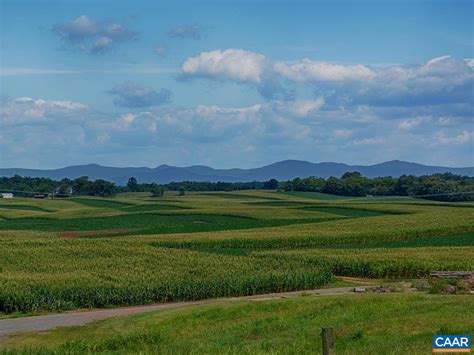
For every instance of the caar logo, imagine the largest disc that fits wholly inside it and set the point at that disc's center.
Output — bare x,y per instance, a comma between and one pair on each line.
451,344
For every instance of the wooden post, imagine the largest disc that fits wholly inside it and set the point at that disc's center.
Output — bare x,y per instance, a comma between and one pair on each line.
328,340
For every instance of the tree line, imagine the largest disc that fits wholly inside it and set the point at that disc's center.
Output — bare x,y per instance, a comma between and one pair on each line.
445,187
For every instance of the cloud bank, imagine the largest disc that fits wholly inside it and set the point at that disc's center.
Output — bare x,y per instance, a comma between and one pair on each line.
438,81
307,129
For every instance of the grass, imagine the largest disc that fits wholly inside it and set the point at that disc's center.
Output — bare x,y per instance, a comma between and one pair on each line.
100,203
313,195
22,207
151,207
363,324
347,212
239,196
146,223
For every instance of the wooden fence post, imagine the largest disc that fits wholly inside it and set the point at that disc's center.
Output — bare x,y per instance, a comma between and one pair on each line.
328,340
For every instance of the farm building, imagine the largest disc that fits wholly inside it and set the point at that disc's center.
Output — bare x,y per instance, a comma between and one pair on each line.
7,195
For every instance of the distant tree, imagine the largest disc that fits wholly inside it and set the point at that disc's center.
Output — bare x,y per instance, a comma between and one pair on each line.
271,184
132,184
351,174
81,186
157,191
182,191
103,188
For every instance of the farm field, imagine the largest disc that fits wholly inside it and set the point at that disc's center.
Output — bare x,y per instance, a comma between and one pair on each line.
66,254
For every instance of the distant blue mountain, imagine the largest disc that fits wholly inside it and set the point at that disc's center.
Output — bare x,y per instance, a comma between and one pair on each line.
283,170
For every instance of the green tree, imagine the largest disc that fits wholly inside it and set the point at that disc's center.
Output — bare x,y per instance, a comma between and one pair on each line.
132,184
157,191
271,184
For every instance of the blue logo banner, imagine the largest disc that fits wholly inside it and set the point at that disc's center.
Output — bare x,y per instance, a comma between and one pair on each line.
451,343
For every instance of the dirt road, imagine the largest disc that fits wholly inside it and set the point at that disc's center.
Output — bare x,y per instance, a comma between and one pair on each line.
76,318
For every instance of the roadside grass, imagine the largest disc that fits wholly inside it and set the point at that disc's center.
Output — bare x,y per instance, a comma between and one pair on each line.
363,324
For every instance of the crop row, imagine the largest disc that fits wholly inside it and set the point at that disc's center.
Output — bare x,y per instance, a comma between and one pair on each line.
91,273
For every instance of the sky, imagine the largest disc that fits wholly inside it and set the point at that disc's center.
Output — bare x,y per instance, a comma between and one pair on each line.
235,83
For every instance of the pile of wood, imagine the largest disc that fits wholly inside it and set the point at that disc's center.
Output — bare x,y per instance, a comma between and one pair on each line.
466,275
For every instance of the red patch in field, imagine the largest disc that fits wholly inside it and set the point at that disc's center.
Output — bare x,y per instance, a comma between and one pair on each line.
98,232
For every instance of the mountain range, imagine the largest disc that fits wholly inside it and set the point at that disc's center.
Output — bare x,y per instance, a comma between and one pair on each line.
283,170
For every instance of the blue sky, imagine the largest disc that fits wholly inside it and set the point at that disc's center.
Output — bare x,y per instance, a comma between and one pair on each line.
235,83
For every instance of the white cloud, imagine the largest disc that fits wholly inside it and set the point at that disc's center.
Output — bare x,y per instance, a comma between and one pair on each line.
367,141
438,81
194,31
448,121
442,139
233,64
308,70
301,108
27,110
342,133
90,36
212,111
412,123
437,60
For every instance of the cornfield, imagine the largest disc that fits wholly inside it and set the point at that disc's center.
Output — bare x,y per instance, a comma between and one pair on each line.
66,254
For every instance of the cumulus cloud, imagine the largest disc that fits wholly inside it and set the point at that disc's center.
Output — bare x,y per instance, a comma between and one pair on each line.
441,138
300,108
438,81
194,31
92,37
271,88
133,95
215,134
412,123
27,110
232,64
307,70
